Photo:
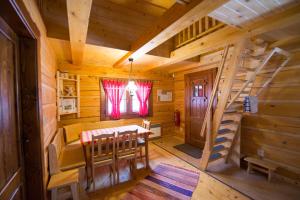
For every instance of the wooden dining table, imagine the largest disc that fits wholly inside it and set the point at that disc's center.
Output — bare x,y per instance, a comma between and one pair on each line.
86,140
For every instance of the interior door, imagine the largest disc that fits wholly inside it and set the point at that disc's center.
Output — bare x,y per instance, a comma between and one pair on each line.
198,91
11,170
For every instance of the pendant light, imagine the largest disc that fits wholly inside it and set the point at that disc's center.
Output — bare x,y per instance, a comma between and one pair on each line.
131,87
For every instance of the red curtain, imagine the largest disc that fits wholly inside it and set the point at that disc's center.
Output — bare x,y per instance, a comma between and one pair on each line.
114,90
143,93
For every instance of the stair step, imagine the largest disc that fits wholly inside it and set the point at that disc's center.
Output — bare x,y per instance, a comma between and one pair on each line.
215,156
228,121
225,131
222,140
231,111
219,148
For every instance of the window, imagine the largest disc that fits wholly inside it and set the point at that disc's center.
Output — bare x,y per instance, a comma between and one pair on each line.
129,106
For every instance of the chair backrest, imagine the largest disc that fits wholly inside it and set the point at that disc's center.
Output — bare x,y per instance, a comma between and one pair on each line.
103,146
146,124
127,141
72,132
55,148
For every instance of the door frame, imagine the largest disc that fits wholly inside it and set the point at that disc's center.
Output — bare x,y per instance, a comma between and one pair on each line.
28,95
187,96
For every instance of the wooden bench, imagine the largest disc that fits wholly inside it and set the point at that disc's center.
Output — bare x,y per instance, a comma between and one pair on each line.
68,178
261,165
63,157
72,132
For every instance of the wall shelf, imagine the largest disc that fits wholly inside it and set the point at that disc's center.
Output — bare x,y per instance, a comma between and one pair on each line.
68,94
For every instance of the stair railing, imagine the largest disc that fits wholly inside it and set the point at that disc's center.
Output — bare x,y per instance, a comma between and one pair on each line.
258,70
283,64
214,124
207,118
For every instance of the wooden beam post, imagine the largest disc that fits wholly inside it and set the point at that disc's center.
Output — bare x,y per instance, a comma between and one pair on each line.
177,18
78,19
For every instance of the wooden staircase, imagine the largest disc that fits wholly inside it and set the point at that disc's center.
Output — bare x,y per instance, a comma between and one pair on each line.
232,84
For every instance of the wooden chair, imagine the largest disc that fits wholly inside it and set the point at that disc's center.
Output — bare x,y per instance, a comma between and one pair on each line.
141,139
126,149
103,153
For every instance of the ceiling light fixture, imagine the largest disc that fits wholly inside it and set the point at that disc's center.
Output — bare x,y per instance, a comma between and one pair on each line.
131,87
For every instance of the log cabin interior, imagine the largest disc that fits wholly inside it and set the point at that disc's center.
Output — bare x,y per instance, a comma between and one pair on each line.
150,99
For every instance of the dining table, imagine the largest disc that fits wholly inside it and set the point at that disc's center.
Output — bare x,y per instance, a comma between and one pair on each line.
86,140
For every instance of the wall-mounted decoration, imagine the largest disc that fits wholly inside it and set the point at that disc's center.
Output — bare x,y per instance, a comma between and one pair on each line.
68,94
68,106
164,95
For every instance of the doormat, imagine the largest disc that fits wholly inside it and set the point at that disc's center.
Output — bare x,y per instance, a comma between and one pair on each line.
165,182
190,150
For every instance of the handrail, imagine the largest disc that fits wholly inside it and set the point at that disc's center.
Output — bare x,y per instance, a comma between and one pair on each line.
214,91
252,77
197,29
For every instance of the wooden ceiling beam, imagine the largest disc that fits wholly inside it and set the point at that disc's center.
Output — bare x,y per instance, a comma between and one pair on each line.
230,35
78,20
173,21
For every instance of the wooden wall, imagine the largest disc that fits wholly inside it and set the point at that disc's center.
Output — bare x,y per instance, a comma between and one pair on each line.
47,62
90,97
276,126
208,61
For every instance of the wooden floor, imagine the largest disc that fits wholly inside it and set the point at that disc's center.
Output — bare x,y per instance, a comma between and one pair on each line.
208,187
254,185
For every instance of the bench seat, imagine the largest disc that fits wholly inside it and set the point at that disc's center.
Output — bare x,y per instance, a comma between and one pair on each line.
71,158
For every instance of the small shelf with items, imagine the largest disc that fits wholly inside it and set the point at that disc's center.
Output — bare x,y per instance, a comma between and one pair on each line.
68,94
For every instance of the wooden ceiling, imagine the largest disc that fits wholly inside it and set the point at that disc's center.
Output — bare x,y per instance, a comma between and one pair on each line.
241,12
113,23
115,26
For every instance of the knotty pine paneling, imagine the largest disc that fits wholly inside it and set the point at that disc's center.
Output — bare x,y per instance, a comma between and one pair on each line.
276,126
90,100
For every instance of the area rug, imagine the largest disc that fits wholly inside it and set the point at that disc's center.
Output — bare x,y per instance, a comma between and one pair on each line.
165,182
189,150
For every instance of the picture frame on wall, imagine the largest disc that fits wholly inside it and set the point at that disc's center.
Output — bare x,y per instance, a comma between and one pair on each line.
68,105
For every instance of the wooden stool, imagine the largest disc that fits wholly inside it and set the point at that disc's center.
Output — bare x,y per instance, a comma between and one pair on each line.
261,165
62,179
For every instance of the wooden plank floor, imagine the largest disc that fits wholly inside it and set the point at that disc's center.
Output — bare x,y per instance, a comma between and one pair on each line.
208,187
254,185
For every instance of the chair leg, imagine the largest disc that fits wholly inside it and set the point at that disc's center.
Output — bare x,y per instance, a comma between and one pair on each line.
114,173
93,177
74,189
117,168
134,168
141,153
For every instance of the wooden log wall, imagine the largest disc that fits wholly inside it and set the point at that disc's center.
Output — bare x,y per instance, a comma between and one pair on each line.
209,61
90,97
276,127
48,64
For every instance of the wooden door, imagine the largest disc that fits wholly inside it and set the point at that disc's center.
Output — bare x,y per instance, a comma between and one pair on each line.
198,90
11,170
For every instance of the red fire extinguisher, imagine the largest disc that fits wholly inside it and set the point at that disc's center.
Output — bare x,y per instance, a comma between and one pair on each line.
177,118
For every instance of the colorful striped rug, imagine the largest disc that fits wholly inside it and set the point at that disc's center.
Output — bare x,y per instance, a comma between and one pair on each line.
165,182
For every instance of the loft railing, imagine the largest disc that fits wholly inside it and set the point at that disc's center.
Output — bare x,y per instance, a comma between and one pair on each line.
197,30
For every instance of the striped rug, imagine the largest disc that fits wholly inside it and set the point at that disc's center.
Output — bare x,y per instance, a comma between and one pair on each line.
165,182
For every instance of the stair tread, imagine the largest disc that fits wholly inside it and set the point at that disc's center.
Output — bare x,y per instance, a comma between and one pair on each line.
222,140
228,122
219,148
225,131
232,111
215,156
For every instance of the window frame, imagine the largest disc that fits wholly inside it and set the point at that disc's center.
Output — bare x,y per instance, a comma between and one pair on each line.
104,116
